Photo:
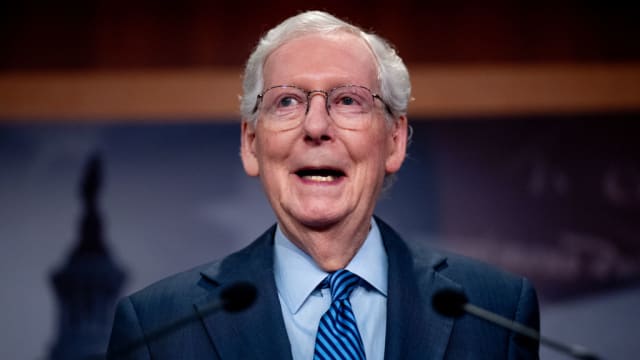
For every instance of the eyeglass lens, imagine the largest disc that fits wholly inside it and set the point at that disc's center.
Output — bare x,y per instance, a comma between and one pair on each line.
349,106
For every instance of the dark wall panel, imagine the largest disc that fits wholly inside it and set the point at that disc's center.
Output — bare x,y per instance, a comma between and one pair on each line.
125,34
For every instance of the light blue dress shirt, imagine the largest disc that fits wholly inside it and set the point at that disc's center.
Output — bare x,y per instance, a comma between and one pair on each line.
297,276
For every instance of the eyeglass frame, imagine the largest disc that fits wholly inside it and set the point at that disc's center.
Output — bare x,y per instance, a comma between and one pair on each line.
324,92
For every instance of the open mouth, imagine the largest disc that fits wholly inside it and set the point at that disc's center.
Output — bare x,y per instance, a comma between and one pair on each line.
320,175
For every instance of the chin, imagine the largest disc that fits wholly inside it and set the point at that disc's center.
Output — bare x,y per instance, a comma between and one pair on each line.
319,221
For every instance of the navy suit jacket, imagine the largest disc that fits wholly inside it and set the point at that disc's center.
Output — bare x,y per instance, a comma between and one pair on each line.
414,329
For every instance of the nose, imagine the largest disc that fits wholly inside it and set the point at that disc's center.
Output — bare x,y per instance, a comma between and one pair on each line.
317,124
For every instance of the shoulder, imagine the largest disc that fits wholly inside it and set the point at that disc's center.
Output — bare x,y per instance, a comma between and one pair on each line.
484,284
499,291
471,273
169,298
185,282
509,295
178,292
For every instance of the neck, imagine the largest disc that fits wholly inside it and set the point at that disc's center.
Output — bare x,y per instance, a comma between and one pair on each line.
332,248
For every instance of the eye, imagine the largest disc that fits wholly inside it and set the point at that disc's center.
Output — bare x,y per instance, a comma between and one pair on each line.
346,100
288,100
349,98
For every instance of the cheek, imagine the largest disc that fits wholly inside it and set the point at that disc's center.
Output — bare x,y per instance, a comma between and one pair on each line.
370,148
272,150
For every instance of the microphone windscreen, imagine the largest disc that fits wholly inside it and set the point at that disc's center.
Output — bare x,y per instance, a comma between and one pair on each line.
238,296
449,302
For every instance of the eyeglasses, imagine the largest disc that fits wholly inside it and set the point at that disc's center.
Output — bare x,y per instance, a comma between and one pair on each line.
285,106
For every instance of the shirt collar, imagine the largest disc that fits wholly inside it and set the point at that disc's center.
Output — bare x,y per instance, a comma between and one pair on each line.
297,275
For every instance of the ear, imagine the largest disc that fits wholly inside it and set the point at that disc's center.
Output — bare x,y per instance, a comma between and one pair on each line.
248,149
397,145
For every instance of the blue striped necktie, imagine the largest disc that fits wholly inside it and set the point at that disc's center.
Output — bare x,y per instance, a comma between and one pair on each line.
338,336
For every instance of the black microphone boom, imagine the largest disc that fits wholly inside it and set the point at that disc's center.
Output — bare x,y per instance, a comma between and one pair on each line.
233,298
452,303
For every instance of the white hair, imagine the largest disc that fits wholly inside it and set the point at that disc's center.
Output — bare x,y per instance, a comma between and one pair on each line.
393,76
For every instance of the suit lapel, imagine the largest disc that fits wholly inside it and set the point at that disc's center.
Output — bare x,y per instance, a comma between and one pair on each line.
414,329
259,331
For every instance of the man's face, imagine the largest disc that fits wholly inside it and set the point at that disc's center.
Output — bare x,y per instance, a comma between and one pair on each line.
318,175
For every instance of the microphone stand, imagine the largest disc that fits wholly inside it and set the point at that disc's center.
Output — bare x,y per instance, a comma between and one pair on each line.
453,303
577,351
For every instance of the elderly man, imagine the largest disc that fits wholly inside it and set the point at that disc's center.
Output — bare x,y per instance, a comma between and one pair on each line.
324,127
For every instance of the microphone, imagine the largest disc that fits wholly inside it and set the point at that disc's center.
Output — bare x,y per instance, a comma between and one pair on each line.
452,303
233,298
238,296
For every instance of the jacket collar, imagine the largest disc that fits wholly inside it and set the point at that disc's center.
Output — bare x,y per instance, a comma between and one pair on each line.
257,332
414,329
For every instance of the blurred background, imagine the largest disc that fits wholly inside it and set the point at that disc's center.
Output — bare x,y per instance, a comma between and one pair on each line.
119,153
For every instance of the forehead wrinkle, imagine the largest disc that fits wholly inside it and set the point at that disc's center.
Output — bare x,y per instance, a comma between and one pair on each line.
327,73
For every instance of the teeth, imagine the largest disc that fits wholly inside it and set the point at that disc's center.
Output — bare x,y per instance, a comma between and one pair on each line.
320,178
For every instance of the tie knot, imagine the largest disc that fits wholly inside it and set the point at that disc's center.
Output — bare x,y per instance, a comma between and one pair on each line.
342,283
